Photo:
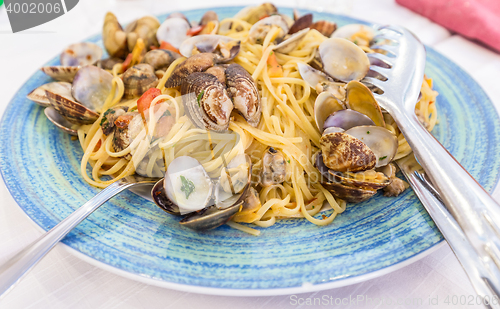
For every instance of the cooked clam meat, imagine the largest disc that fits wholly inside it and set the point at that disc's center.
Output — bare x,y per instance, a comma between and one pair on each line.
187,184
244,93
261,28
273,167
138,79
206,101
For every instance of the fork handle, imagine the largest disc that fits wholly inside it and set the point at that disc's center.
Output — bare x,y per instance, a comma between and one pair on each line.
17,266
474,210
447,225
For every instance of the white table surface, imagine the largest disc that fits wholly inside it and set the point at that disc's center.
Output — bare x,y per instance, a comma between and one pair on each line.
61,280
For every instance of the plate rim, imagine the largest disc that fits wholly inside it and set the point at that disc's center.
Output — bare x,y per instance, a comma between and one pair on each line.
306,287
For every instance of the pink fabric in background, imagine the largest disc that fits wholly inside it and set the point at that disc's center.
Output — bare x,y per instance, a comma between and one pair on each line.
474,19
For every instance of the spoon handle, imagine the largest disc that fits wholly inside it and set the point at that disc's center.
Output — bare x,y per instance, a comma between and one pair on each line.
17,266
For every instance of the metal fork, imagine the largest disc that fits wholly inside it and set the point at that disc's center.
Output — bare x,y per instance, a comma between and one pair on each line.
469,222
16,267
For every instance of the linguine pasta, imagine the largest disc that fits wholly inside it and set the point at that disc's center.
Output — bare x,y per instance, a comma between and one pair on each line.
287,124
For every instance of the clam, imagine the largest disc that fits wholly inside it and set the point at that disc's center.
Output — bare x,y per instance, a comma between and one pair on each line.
61,73
362,34
206,101
173,31
68,107
253,14
138,79
224,47
208,17
351,187
109,117
320,81
160,59
219,72
343,152
381,141
188,185
144,28
39,97
244,93
324,27
261,28
113,37
343,60
346,119
251,203
273,167
292,42
59,121
325,105
81,54
126,128
108,63
92,86
305,21
195,63
187,189
361,99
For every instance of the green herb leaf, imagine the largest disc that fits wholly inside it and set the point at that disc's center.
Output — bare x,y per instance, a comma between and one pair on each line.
166,113
313,207
187,186
288,160
356,42
382,158
199,97
367,132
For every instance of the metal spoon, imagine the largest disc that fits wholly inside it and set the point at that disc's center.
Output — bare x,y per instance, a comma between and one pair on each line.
17,266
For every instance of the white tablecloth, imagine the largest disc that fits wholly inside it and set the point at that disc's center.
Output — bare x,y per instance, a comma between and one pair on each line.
61,280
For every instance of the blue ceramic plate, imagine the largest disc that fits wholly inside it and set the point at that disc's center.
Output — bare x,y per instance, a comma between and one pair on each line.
131,236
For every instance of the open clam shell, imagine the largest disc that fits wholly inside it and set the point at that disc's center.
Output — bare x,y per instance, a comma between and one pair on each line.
343,60
59,121
138,79
143,28
244,93
361,99
303,22
261,28
195,63
225,47
211,215
292,42
346,119
206,102
80,54
188,185
381,141
39,97
92,86
325,105
345,191
61,73
173,31
343,152
70,109
113,37
253,14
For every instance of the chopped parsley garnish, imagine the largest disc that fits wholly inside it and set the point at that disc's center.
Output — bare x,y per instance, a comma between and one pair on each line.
367,132
313,207
288,160
187,186
166,113
382,158
355,42
198,99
